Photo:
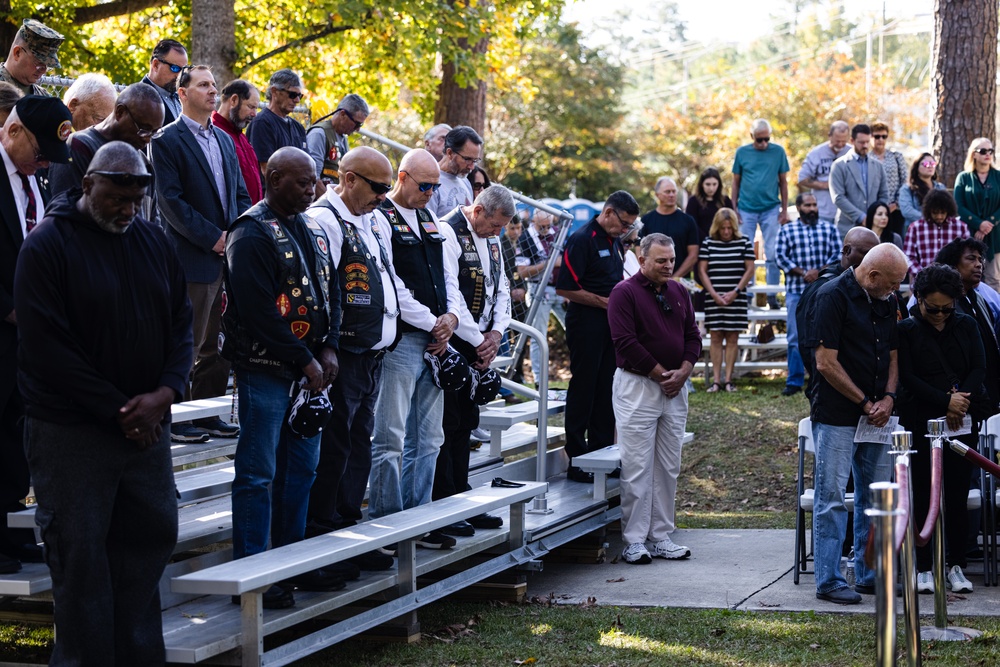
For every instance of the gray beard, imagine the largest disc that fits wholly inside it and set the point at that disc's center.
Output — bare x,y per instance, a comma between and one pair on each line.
105,224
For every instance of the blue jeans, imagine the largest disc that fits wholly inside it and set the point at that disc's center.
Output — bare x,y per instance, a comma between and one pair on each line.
796,369
541,322
768,221
836,455
408,430
274,469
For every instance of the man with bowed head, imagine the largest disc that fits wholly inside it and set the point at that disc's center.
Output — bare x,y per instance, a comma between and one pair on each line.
98,408
280,328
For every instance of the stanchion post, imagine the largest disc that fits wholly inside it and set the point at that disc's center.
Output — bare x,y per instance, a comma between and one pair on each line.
883,512
902,442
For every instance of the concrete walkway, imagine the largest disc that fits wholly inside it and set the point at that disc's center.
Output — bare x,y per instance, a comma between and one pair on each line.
748,570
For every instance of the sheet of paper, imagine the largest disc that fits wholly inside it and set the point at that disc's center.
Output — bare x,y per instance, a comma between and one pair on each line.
870,433
964,429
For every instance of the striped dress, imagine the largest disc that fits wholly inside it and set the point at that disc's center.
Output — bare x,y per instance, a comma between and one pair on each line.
726,264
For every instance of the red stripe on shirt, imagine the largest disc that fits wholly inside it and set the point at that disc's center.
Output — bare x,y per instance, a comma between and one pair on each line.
569,266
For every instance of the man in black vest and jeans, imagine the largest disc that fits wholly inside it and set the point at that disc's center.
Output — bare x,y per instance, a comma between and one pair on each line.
280,332
475,253
408,412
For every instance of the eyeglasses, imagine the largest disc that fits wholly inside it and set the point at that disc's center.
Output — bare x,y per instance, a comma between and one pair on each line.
423,187
928,163
662,301
294,96
984,151
476,187
357,125
124,179
931,310
377,188
761,140
140,131
625,225
880,136
39,156
175,69
630,243
473,160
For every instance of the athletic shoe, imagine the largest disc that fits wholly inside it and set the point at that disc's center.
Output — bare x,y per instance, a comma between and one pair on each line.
436,540
217,427
665,548
485,521
388,550
480,435
957,581
187,433
636,554
925,582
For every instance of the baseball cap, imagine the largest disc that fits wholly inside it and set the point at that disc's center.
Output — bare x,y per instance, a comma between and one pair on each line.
50,121
309,412
483,385
450,371
42,41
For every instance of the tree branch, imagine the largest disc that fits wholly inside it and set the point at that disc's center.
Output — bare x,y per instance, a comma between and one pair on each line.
106,10
325,31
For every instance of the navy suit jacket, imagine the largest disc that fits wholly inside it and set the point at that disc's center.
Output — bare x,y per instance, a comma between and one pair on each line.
188,198
11,238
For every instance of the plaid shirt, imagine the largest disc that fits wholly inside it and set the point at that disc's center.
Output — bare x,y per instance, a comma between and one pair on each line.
805,247
924,240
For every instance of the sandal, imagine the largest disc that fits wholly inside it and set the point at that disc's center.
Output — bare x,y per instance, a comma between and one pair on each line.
714,388
730,386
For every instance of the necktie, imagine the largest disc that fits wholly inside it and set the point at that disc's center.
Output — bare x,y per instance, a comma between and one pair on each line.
30,210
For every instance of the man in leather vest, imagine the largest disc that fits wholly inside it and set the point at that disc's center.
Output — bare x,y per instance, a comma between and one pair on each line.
280,327
476,255
326,141
408,412
370,296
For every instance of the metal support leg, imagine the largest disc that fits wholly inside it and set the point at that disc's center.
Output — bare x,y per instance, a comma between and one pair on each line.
883,499
252,619
516,535
902,442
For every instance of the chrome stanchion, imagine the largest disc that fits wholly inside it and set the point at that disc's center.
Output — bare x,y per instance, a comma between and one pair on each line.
936,429
901,449
883,512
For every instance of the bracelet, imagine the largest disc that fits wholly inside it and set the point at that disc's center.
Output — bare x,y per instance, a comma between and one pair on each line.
891,395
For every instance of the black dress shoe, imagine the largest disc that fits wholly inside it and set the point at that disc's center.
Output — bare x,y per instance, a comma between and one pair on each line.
790,390
215,426
275,597
9,565
840,596
459,529
574,474
373,561
486,521
317,580
346,570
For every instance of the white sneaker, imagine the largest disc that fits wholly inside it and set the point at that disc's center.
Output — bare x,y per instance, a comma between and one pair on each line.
636,554
957,581
665,548
925,582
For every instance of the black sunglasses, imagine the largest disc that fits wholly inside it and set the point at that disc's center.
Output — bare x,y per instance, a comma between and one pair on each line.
662,300
357,125
479,186
880,136
931,310
423,187
175,69
762,140
377,188
984,151
124,179
294,96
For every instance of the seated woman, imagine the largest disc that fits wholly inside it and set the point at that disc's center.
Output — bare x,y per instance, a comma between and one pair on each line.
877,220
938,228
725,266
942,365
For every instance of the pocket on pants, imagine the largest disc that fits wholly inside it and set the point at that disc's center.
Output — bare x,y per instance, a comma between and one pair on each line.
46,521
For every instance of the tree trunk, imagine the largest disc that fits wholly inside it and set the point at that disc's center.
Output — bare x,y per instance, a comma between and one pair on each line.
213,37
462,106
8,28
965,80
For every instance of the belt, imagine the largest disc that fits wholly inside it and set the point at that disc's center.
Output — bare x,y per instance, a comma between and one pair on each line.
629,370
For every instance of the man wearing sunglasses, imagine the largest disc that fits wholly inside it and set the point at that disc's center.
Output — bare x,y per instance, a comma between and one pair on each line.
137,116
274,128
856,182
98,405
326,140
33,136
168,60
200,192
463,150
35,50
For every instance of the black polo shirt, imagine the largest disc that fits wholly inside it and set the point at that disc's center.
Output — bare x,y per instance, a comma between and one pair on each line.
592,261
863,331
268,132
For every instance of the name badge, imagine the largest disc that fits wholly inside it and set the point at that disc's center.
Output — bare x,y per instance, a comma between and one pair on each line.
604,253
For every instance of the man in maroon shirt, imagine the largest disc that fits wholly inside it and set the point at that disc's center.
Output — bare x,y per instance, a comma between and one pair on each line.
240,101
657,344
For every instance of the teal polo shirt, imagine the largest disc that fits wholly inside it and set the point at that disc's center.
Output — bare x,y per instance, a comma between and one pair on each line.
758,171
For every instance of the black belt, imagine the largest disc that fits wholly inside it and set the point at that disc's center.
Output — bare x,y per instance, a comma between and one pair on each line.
629,370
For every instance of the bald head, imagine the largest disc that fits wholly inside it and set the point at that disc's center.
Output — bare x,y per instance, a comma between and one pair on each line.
291,181
882,270
417,169
118,157
857,242
366,161
417,159
365,179
286,158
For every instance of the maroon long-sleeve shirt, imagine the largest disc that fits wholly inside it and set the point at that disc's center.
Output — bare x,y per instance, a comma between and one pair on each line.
644,334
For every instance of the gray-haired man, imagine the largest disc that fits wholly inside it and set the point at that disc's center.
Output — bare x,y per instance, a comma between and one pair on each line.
273,128
326,141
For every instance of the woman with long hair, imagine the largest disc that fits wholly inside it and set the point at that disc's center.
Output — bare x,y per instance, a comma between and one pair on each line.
977,193
708,198
923,178
877,220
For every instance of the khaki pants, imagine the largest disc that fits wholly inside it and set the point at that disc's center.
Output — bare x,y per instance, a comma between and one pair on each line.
650,435
991,272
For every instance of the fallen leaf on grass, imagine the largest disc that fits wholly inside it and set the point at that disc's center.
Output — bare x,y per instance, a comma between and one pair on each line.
591,601
814,646
718,632
526,661
616,581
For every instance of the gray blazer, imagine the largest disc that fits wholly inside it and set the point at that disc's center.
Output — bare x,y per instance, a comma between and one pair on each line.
848,190
189,199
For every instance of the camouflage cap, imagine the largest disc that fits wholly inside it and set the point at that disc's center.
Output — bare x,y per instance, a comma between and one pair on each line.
42,41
